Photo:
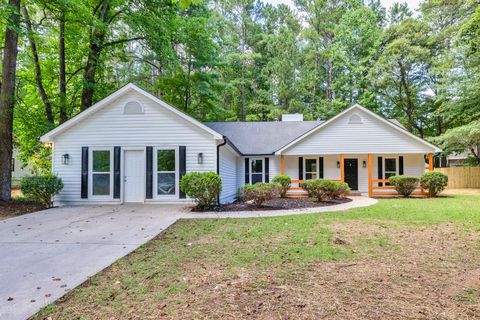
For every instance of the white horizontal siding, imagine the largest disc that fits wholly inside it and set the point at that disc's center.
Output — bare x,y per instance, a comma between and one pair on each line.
273,167
228,173
109,127
370,136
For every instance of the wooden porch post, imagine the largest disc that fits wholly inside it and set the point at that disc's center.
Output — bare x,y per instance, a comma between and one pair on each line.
370,175
342,168
282,164
430,162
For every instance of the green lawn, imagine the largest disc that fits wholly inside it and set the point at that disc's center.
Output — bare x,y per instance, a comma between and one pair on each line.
402,258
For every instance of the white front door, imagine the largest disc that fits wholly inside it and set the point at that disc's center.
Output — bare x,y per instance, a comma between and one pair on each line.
134,176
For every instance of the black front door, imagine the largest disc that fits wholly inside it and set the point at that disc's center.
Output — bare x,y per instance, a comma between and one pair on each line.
351,173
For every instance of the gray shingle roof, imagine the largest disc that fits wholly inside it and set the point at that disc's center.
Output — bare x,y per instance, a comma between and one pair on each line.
261,138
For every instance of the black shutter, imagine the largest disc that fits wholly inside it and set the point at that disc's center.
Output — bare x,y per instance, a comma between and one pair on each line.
84,187
320,167
267,169
400,165
380,170
116,172
182,150
247,170
300,168
149,174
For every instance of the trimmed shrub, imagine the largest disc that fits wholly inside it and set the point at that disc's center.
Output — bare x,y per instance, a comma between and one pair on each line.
340,190
404,185
434,181
259,193
324,189
202,187
41,188
285,182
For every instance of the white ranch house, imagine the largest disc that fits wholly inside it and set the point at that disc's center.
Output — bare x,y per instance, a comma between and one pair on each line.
134,147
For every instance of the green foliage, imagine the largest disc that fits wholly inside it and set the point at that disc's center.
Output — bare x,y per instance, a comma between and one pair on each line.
461,139
203,187
324,189
247,60
284,182
434,181
404,185
41,188
259,193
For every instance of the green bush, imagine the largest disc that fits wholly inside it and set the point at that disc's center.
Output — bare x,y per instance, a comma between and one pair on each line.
41,188
285,182
433,181
259,193
404,185
202,187
324,189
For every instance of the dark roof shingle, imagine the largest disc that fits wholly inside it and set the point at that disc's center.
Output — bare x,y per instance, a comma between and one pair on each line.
262,138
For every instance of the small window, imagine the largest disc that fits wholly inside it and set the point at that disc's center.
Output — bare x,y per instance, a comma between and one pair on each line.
390,167
132,107
256,171
355,119
101,172
166,173
311,169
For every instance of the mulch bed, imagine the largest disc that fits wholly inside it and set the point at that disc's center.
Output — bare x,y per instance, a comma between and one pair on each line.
279,204
15,208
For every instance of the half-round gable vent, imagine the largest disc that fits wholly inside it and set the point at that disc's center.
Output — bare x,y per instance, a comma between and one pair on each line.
355,119
132,107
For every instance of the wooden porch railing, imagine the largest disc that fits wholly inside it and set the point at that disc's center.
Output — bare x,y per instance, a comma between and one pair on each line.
374,190
389,191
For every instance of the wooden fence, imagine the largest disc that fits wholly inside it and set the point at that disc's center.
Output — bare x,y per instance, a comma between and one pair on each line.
462,177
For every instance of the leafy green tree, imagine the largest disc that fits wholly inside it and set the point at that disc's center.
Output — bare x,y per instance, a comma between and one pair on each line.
7,95
400,73
461,139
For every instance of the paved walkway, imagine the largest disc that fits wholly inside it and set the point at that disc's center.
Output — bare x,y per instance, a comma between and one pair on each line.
357,201
47,253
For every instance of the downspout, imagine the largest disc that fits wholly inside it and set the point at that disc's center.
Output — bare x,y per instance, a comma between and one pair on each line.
218,162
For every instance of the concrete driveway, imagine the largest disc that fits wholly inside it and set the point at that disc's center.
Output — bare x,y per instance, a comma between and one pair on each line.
47,253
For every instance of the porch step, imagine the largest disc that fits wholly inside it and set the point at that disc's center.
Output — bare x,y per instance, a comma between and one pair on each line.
296,192
297,195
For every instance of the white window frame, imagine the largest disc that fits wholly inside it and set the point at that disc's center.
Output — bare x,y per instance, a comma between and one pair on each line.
385,166
91,173
305,168
156,172
250,169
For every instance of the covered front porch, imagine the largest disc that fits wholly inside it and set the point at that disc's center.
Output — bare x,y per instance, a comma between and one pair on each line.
366,174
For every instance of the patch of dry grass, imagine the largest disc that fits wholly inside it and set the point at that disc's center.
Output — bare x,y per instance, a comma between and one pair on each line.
382,262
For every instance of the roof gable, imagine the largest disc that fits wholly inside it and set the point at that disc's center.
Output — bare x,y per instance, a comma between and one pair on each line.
49,136
373,136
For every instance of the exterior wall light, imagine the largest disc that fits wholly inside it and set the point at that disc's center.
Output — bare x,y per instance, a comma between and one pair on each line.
364,164
200,158
65,158
338,164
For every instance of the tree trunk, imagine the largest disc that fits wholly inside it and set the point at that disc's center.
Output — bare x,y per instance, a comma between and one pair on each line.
38,70
187,84
97,38
7,100
410,106
62,82
329,80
